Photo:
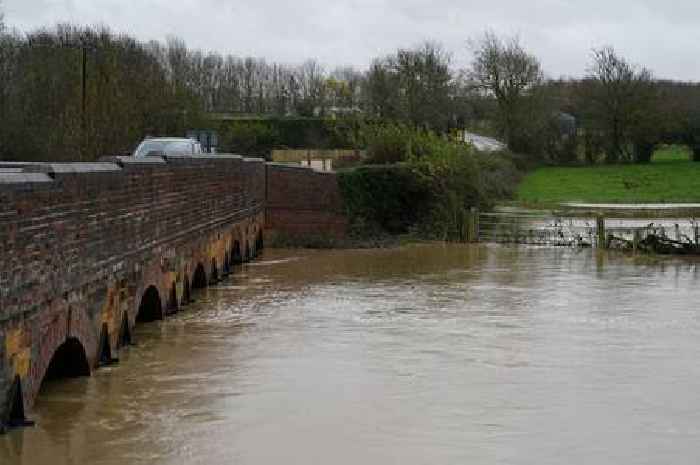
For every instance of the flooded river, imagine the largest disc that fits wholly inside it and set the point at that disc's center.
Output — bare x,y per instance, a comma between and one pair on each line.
428,354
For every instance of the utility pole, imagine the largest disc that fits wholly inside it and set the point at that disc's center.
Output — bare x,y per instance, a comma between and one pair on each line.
83,116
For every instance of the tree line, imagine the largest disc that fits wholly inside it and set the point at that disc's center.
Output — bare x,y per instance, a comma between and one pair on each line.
618,112
76,93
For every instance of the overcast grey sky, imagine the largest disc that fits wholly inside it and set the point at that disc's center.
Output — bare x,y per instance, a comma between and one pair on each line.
662,35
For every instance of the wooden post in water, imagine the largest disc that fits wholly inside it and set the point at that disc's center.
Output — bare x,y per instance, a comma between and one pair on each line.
464,225
600,230
637,239
468,228
473,225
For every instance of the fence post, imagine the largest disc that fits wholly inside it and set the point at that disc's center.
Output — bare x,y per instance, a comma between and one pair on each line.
464,225
602,238
469,227
637,239
473,225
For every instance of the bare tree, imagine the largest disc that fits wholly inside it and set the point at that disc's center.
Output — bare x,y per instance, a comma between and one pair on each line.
348,94
413,85
619,104
504,69
311,78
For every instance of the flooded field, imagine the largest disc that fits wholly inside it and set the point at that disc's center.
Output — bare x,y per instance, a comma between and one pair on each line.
427,354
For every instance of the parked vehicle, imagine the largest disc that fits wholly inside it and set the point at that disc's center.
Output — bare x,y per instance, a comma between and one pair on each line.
163,146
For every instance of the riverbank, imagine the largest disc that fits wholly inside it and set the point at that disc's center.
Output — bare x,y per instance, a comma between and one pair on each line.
670,178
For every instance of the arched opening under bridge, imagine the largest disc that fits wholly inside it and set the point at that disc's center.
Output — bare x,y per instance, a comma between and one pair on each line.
237,257
151,307
259,241
68,361
199,280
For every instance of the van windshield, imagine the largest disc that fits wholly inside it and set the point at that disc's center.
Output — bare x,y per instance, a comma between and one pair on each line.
164,147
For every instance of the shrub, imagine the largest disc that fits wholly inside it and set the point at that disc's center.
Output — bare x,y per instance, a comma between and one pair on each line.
380,199
386,143
452,175
500,174
431,192
249,138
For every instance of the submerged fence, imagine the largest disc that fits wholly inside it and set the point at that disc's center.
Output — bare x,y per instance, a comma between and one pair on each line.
532,227
535,228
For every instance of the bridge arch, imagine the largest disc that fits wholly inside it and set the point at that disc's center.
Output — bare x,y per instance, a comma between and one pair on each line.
236,253
199,280
69,360
151,307
259,241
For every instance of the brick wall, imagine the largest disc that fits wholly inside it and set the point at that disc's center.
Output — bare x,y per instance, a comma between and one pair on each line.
301,201
80,242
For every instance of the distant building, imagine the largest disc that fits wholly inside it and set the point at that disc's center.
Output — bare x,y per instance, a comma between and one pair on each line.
338,111
567,124
319,159
325,164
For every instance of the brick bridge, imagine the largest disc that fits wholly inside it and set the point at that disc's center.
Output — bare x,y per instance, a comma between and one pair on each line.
88,250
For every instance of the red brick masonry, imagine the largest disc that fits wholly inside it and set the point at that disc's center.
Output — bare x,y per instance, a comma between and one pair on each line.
301,201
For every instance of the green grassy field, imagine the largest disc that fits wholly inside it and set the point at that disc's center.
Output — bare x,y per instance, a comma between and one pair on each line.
671,177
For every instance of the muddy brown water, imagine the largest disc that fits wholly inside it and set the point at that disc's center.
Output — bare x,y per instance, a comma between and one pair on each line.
428,354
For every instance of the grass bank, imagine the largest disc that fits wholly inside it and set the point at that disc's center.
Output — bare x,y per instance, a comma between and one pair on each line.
671,177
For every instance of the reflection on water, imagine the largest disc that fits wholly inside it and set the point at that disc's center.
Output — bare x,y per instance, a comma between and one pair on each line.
426,354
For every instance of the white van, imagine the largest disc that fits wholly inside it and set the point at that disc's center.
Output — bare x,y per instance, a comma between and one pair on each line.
163,146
